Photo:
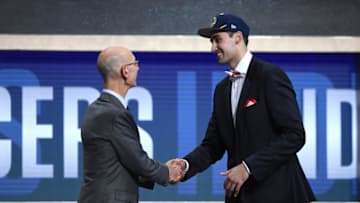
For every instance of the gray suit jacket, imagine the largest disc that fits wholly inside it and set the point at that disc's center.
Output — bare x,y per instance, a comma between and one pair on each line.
115,164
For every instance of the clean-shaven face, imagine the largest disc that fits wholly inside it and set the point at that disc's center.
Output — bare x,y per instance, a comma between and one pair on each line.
132,68
223,46
133,73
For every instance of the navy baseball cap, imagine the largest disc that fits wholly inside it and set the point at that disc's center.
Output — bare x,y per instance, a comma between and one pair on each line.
225,23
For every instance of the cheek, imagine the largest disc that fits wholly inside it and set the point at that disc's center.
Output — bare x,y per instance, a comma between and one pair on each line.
134,76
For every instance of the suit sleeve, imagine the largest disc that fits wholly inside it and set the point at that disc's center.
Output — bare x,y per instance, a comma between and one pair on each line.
286,120
208,152
126,142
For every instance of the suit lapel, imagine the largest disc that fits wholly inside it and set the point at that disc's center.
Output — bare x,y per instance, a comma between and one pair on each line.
246,87
228,101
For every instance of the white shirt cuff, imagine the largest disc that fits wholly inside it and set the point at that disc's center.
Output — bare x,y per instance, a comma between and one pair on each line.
187,165
246,167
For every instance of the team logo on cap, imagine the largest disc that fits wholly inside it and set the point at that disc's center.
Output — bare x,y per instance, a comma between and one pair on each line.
213,21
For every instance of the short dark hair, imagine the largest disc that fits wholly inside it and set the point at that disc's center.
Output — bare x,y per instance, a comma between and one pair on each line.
246,40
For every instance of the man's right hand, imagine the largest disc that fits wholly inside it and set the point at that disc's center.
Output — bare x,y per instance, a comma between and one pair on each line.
176,170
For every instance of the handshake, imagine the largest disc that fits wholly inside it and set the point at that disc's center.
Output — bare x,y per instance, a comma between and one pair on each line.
177,170
235,177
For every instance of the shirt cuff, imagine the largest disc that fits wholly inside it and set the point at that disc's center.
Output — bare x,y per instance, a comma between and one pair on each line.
246,167
187,165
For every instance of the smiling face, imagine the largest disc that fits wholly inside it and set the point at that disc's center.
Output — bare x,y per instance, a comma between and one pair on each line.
226,47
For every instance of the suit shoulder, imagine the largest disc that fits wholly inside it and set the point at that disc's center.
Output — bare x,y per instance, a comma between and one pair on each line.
101,111
265,65
266,69
222,83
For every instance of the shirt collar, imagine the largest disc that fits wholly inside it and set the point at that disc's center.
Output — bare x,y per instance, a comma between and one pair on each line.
244,63
119,97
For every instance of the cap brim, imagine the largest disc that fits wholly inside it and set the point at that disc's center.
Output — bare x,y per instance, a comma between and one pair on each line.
208,32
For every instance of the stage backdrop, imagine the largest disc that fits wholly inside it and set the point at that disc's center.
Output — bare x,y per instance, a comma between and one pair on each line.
44,96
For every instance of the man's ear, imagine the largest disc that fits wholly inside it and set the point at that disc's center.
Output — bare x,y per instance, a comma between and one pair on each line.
238,37
124,72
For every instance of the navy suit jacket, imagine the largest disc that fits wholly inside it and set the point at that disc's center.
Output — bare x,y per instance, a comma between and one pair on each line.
267,135
115,164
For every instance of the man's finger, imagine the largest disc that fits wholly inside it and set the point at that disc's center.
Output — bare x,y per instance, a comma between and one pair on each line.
229,189
227,184
237,190
233,186
228,193
225,173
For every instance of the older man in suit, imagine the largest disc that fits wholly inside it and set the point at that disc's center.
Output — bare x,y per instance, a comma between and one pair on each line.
115,164
255,119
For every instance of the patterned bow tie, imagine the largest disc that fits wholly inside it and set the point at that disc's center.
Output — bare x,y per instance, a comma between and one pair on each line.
233,75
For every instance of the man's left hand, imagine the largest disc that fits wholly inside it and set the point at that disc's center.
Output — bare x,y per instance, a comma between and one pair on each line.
236,177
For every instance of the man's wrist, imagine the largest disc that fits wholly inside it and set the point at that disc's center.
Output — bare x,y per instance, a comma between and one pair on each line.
246,167
187,165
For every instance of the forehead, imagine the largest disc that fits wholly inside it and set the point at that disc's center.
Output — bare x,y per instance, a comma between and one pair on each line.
133,57
130,57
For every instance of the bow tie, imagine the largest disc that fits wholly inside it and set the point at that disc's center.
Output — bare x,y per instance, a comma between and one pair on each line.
233,75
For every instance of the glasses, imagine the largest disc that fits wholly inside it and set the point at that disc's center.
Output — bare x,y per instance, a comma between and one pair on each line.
135,63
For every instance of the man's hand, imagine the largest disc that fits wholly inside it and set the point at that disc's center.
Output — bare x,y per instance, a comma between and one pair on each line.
236,177
176,170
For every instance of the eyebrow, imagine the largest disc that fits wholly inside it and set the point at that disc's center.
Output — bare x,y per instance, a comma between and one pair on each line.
215,36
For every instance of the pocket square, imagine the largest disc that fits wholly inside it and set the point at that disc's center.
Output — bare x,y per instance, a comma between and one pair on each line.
249,102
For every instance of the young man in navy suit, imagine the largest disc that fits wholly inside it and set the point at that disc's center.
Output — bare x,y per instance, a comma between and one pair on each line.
255,119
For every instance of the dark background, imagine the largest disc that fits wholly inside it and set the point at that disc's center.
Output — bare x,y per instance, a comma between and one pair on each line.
172,17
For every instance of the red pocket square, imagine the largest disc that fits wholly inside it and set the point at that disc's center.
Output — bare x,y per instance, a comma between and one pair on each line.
249,102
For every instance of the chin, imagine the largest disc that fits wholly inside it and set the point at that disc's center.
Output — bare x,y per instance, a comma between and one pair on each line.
221,61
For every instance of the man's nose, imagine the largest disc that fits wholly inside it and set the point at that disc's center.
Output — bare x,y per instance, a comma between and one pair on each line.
213,47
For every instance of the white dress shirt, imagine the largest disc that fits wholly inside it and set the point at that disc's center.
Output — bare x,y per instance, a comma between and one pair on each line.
237,84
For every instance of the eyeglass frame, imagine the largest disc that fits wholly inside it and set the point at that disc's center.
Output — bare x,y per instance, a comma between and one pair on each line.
136,63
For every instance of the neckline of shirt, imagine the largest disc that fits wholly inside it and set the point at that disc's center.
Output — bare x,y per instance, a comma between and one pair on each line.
244,63
119,97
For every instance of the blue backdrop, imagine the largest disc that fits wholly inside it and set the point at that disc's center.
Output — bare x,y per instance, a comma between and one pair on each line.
45,94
